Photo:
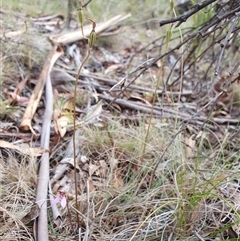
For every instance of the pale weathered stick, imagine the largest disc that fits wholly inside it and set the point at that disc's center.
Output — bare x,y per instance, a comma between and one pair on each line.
69,37
54,54
43,176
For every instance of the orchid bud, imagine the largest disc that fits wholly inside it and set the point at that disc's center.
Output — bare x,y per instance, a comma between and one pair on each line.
92,38
80,16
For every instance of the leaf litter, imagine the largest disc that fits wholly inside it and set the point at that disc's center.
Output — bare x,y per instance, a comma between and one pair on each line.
125,193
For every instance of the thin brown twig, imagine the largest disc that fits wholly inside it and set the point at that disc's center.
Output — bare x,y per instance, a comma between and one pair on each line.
85,5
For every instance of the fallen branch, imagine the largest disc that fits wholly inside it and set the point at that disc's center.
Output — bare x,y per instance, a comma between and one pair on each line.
168,113
70,37
54,54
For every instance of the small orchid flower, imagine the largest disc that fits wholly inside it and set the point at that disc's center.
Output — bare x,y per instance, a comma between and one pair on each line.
60,198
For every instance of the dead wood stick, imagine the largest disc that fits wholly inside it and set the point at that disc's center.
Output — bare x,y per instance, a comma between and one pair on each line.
24,136
54,54
43,176
70,37
167,113
111,82
158,111
143,107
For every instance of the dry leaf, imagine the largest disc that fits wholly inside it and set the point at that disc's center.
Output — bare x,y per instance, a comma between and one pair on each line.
113,163
61,125
32,214
69,161
92,169
59,76
14,34
58,221
117,181
112,68
31,151
144,100
190,145
91,186
93,112
21,86
15,96
102,171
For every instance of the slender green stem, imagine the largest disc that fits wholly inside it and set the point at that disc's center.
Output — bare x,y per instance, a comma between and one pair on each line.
90,45
74,132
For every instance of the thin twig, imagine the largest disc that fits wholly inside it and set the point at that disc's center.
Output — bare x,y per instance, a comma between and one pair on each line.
223,46
143,65
85,5
184,17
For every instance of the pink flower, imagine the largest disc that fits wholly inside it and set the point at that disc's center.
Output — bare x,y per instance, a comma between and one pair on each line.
60,198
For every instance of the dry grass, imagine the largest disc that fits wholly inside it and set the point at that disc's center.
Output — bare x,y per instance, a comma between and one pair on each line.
118,199
18,184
